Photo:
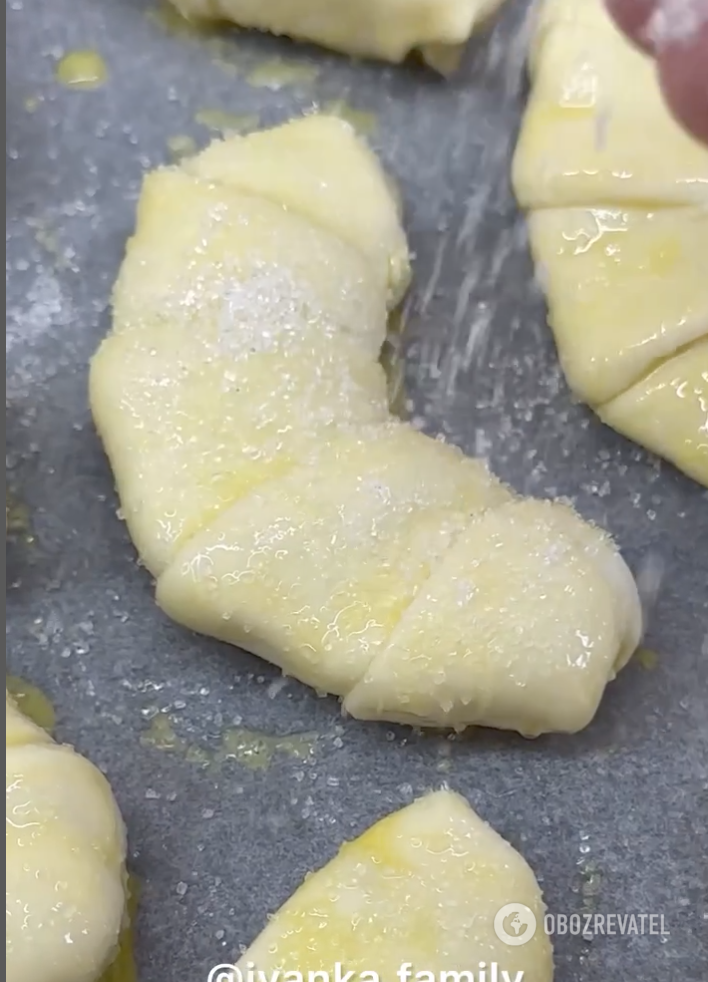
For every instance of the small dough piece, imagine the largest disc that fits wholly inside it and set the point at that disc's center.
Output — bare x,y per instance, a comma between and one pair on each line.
597,131
313,571
422,886
626,289
318,168
383,29
65,849
667,412
521,626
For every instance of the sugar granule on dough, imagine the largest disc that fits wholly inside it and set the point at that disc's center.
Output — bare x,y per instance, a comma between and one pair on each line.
264,310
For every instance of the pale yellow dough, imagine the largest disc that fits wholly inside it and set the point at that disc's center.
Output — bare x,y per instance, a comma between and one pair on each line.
626,289
617,195
317,167
668,411
384,29
204,389
277,502
422,886
481,618
596,130
346,542
65,851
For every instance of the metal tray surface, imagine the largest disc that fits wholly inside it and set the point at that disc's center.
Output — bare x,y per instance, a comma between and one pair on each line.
224,824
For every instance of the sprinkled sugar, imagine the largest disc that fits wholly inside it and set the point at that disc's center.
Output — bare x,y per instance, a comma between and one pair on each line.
262,311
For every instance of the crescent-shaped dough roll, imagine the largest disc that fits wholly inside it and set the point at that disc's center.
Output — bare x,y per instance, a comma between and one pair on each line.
618,226
388,30
667,411
65,849
264,482
596,130
626,289
422,887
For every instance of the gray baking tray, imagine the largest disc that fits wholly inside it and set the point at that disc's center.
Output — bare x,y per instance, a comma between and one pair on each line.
233,783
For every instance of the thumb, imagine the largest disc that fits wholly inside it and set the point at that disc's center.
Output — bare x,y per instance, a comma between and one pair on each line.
682,55
633,18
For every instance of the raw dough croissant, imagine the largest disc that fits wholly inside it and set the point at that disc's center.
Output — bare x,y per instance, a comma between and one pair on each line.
281,507
384,29
65,850
423,886
618,200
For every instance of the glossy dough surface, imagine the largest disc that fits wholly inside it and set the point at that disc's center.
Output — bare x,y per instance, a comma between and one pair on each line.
384,29
65,851
277,502
617,195
423,886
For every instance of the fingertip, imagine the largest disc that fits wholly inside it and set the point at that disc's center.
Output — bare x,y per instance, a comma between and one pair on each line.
633,17
684,80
